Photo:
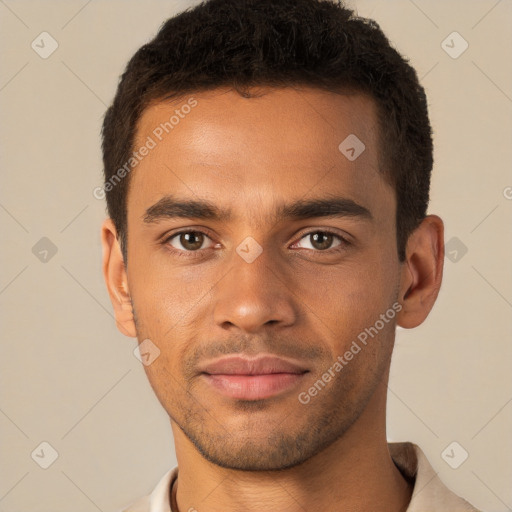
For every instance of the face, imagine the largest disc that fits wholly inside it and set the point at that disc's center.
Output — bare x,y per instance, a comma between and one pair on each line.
259,254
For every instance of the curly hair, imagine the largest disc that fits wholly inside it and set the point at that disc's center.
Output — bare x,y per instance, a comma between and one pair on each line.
278,43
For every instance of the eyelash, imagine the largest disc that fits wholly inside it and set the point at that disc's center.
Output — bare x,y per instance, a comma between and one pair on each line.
344,243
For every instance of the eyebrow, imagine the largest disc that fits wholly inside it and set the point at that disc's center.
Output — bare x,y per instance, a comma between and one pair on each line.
169,207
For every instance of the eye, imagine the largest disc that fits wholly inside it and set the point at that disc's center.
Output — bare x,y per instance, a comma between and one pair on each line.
322,240
189,241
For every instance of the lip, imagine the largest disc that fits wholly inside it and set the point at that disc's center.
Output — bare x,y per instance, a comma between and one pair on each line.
260,365
252,378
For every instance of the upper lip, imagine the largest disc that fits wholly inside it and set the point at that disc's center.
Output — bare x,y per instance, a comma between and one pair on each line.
260,365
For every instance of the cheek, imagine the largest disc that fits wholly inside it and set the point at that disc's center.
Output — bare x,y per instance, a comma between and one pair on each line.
344,300
168,300
165,295
351,293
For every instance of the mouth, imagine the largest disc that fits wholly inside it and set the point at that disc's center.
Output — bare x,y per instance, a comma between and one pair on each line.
253,379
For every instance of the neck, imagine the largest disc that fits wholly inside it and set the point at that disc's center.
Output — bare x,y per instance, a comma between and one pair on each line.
355,473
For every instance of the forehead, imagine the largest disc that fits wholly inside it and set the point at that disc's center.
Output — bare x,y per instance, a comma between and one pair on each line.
283,143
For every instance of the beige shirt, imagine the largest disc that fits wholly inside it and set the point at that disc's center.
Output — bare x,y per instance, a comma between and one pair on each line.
429,494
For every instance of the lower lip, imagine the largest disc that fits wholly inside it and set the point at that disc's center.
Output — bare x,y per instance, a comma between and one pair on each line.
253,387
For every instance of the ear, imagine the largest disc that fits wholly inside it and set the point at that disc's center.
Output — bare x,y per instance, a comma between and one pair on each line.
422,272
114,273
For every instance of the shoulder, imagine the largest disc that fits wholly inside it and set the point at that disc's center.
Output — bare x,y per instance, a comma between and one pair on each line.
159,499
429,493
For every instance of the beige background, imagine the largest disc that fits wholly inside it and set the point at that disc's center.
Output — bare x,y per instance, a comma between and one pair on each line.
70,379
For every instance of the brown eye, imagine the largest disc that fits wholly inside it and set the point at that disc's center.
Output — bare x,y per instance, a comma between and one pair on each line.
321,240
188,240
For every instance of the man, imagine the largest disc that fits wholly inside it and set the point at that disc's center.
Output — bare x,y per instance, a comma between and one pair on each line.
267,172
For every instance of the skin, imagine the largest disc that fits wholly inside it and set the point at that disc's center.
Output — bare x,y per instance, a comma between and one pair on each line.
297,299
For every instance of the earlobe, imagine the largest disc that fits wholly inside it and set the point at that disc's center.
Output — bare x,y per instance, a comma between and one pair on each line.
422,272
114,273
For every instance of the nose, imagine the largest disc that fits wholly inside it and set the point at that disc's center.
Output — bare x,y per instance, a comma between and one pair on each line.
253,296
